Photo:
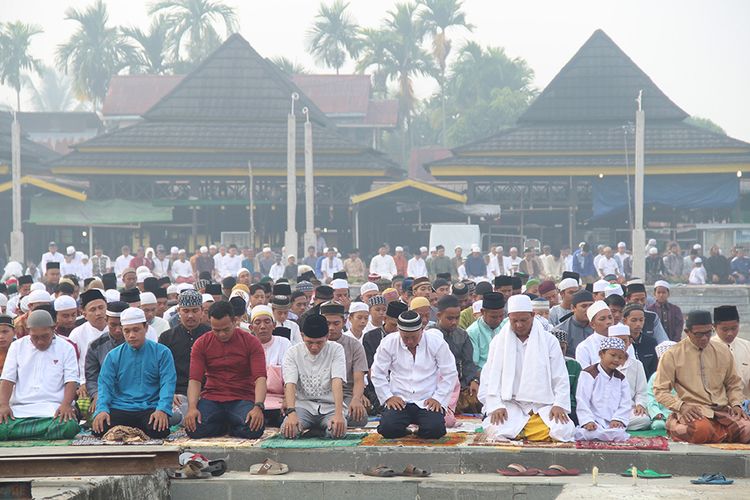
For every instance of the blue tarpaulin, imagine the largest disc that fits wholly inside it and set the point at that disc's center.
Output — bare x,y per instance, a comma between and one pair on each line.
675,191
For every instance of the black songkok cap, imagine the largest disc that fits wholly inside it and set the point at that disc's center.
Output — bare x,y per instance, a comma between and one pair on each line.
306,276
109,281
315,326
26,279
571,274
635,288
160,293
395,308
164,280
87,281
6,320
410,321
282,289
332,308
53,265
90,296
340,275
726,313
516,282
582,296
228,283
483,288
503,281
446,302
446,276
460,289
323,292
239,306
697,318
150,284
130,296
282,331
213,289
493,300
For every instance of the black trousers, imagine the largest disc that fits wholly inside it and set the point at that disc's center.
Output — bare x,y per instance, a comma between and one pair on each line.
393,423
137,419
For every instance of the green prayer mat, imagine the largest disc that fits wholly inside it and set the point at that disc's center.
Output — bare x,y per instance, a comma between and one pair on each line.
649,433
38,428
279,441
29,444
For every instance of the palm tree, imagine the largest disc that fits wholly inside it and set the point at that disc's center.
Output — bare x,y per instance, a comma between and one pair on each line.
94,53
333,36
372,55
53,93
194,25
437,17
15,39
151,47
289,67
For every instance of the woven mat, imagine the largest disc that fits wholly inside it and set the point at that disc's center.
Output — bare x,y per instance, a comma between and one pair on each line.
649,433
652,443
279,441
450,439
90,440
730,446
33,443
467,424
482,439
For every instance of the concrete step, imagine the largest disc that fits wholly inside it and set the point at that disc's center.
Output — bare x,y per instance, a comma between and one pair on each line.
328,486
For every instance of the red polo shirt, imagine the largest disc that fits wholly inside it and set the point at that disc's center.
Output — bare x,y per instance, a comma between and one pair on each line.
229,368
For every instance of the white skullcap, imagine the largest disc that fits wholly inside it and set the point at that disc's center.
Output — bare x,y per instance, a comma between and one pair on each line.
261,310
399,249
112,295
663,283
142,270
141,277
266,249
184,286
519,303
242,271
290,256
24,304
356,307
172,289
148,298
475,248
618,330
499,248
207,298
476,307
3,300
132,316
181,250
457,247
434,249
368,287
204,249
173,250
212,247
614,289
339,284
568,283
39,296
65,302
38,286
653,251
697,246
600,286
664,347
70,250
698,260
621,245
596,308
422,249
238,292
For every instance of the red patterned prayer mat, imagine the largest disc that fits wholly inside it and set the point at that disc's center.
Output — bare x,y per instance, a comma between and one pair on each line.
450,439
651,443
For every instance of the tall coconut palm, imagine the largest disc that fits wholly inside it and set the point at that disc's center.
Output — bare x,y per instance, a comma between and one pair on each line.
53,92
437,16
372,57
150,47
194,34
333,36
289,67
94,53
15,59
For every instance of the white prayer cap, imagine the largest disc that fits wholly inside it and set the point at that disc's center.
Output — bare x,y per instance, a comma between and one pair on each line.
600,286
475,248
568,283
697,246
266,249
39,296
204,249
86,257
112,295
212,247
261,310
207,298
635,281
3,300
242,271
422,249
70,250
368,287
612,343
613,289
622,245
653,251
664,347
238,292
663,283
356,307
399,249
132,316
185,286
476,307
181,250
519,303
173,250
513,248
65,302
652,241
172,289
596,308
325,250
457,247
433,249
339,284
38,286
148,298
698,260
618,330
290,256
141,277
24,304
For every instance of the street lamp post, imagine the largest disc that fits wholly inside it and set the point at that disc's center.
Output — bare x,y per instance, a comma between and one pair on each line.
16,236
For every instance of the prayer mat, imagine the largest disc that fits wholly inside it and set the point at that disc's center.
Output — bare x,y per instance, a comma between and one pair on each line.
650,443
279,441
450,439
730,446
649,433
180,438
90,440
30,443
482,439
467,424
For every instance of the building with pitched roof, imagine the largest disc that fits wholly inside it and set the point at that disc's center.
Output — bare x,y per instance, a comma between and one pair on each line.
565,172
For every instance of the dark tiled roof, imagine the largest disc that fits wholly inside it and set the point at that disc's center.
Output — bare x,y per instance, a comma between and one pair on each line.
33,155
600,82
59,122
234,83
133,95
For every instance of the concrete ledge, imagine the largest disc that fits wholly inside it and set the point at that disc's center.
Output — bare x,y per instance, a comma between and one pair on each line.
146,487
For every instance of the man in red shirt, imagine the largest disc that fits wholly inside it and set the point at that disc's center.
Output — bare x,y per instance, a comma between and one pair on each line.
233,364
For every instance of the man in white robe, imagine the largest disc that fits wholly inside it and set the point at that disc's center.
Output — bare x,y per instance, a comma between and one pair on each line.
727,327
525,380
600,319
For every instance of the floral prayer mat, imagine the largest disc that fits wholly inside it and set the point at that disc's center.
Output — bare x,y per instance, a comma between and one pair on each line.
649,443
91,440
450,439
482,439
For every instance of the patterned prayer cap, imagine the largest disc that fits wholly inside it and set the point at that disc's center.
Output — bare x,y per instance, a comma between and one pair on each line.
612,343
560,335
190,298
377,300
664,347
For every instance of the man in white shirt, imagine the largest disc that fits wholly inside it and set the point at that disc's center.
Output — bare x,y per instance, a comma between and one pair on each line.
52,256
383,264
496,266
231,263
607,264
38,384
622,257
123,261
94,307
416,267
330,265
277,269
70,264
219,259
161,262
512,262
182,270
148,305
414,374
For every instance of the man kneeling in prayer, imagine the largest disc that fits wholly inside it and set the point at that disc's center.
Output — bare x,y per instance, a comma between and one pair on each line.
38,383
524,385
707,407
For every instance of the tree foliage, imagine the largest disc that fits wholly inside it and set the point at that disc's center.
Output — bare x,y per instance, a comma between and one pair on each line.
15,57
333,36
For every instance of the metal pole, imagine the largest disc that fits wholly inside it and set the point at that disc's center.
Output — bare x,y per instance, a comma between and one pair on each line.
16,236
309,238
290,238
639,235
250,195
91,241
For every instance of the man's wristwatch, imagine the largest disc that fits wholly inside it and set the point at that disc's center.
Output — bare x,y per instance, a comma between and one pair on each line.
290,410
261,406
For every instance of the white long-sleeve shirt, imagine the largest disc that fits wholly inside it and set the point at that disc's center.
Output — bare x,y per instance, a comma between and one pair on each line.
50,257
82,336
122,263
330,266
697,276
277,271
636,377
601,398
182,269
230,265
416,268
431,373
383,265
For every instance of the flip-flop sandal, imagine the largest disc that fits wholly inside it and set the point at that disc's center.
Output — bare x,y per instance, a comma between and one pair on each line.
559,470
645,474
191,470
216,467
411,471
519,470
380,471
269,468
712,479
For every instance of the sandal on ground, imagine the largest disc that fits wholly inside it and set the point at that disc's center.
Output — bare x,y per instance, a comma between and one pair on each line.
216,467
645,474
380,471
519,470
411,471
191,470
712,479
559,470
269,468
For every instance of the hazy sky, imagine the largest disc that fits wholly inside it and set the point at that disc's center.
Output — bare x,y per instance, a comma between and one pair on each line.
695,50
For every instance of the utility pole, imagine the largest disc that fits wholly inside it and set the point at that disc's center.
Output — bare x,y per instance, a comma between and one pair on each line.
252,202
309,238
290,238
16,236
639,235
